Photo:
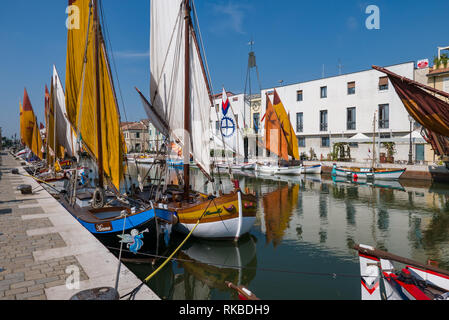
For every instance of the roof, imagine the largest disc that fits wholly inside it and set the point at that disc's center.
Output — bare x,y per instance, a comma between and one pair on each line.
438,72
141,125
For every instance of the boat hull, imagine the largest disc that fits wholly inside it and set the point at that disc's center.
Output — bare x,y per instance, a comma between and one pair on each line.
108,231
221,220
366,174
311,169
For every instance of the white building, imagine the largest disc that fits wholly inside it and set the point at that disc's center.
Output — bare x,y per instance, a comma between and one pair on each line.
233,130
333,109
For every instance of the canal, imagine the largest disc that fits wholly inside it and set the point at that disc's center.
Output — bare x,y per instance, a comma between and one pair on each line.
301,246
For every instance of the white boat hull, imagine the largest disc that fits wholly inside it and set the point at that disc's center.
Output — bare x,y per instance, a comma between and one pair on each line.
289,170
225,229
384,175
311,169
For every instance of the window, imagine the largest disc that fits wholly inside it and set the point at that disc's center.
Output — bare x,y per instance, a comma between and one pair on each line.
384,116
299,122
323,92
137,135
323,120
299,96
350,119
301,142
383,83
351,87
325,142
217,127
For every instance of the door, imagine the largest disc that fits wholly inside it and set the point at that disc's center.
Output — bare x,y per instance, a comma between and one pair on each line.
419,148
446,84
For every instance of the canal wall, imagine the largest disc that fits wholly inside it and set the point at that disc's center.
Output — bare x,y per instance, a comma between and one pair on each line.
413,172
43,247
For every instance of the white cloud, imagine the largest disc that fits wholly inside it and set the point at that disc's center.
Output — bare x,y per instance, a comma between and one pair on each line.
231,17
132,54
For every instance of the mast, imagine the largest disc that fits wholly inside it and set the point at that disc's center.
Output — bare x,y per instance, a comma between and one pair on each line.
98,100
187,118
374,141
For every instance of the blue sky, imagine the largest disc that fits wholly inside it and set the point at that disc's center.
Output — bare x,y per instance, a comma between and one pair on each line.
293,39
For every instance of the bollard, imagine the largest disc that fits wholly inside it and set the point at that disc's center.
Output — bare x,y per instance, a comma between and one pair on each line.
25,189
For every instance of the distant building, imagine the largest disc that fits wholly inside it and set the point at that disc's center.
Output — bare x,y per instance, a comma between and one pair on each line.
141,137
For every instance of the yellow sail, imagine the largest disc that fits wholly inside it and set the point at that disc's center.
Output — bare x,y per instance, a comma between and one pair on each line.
31,136
289,132
81,100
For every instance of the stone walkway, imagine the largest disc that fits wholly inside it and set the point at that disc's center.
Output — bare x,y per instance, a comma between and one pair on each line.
42,247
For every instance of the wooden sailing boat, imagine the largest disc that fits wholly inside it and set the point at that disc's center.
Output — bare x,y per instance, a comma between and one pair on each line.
60,138
179,78
92,111
368,172
29,128
417,281
281,140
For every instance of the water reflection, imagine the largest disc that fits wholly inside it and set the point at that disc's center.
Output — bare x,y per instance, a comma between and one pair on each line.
311,224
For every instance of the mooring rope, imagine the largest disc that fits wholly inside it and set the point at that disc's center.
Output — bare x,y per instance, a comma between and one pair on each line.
134,292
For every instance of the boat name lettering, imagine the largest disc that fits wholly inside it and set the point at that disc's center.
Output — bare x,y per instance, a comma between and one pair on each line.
103,227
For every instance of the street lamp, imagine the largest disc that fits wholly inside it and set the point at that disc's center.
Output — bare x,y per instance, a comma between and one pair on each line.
410,161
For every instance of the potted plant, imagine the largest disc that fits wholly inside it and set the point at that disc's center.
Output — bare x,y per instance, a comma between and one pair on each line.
436,63
391,150
444,59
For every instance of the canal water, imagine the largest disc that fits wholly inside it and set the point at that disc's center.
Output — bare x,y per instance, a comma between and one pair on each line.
301,246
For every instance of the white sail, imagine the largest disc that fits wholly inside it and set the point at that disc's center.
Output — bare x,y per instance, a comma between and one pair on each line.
167,60
64,133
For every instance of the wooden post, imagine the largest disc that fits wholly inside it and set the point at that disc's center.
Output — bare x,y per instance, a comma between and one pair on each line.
187,118
97,90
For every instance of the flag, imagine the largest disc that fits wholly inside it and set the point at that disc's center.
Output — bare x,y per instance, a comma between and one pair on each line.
225,103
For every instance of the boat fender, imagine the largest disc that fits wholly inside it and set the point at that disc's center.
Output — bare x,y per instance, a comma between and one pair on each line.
98,198
355,176
249,205
236,184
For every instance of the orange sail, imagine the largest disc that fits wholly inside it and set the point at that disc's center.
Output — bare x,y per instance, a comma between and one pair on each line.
31,134
275,140
286,126
278,210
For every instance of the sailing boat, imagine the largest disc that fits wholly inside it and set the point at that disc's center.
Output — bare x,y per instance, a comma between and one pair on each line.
368,172
92,110
417,281
280,139
179,78
60,138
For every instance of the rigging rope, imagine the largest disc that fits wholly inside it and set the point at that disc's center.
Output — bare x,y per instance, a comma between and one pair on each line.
133,292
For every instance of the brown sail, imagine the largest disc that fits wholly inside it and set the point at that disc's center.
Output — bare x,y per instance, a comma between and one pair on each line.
426,108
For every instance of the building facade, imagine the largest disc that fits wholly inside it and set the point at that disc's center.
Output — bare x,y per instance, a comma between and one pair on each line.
334,109
141,137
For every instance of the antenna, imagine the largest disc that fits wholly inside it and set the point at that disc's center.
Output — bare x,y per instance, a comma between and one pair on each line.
340,67
322,74
248,98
